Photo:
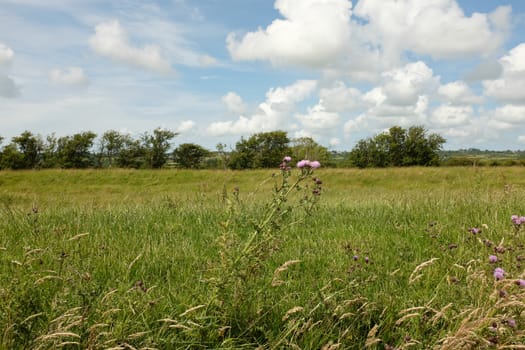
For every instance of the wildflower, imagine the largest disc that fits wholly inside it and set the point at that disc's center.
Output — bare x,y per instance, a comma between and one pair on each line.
287,159
474,230
520,283
517,220
355,257
303,163
315,164
366,259
499,273
511,323
499,249
493,259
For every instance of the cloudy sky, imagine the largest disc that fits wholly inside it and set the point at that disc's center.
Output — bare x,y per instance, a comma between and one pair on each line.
216,70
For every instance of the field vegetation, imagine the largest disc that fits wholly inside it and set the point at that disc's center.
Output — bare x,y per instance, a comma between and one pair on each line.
392,258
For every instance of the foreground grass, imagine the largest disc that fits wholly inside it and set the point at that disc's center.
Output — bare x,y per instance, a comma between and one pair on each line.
126,259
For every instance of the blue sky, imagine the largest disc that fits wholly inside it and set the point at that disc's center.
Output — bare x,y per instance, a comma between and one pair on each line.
217,70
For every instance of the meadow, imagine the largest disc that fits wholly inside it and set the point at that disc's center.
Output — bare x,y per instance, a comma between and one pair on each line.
398,258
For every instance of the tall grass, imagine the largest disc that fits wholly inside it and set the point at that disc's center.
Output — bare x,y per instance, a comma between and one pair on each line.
386,259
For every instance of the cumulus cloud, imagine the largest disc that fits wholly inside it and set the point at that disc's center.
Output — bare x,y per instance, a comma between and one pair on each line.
512,114
72,76
340,98
403,86
185,126
318,118
111,40
511,86
312,33
6,55
486,70
451,116
234,103
271,115
401,98
8,88
438,28
458,93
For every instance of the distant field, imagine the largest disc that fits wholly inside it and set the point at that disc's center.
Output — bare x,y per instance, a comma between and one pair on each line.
388,258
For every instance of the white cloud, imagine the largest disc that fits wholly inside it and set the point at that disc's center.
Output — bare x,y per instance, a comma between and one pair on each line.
438,28
458,93
339,97
271,115
334,142
512,114
355,125
403,86
318,118
451,116
185,126
8,88
207,60
73,76
486,70
234,103
6,55
111,40
511,86
313,33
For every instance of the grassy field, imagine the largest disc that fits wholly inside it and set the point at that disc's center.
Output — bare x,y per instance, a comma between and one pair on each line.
176,259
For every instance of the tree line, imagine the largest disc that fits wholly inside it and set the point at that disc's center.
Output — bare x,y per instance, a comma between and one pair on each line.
113,149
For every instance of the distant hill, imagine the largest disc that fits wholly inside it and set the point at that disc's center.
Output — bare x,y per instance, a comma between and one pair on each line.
474,156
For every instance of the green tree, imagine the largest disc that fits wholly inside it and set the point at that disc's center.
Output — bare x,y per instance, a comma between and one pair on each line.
223,154
422,149
24,152
132,154
75,151
11,157
157,146
398,147
112,143
262,150
307,148
30,146
190,155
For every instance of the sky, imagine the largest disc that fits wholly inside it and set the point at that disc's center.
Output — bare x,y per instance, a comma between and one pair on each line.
214,71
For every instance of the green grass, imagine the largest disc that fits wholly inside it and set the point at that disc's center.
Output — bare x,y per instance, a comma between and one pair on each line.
118,258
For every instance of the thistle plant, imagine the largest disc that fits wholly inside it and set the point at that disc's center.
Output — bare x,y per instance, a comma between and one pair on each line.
243,257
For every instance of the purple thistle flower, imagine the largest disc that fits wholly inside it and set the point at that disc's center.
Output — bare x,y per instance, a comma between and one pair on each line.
493,259
355,257
517,220
303,163
499,273
315,164
287,159
366,259
511,322
520,283
474,230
